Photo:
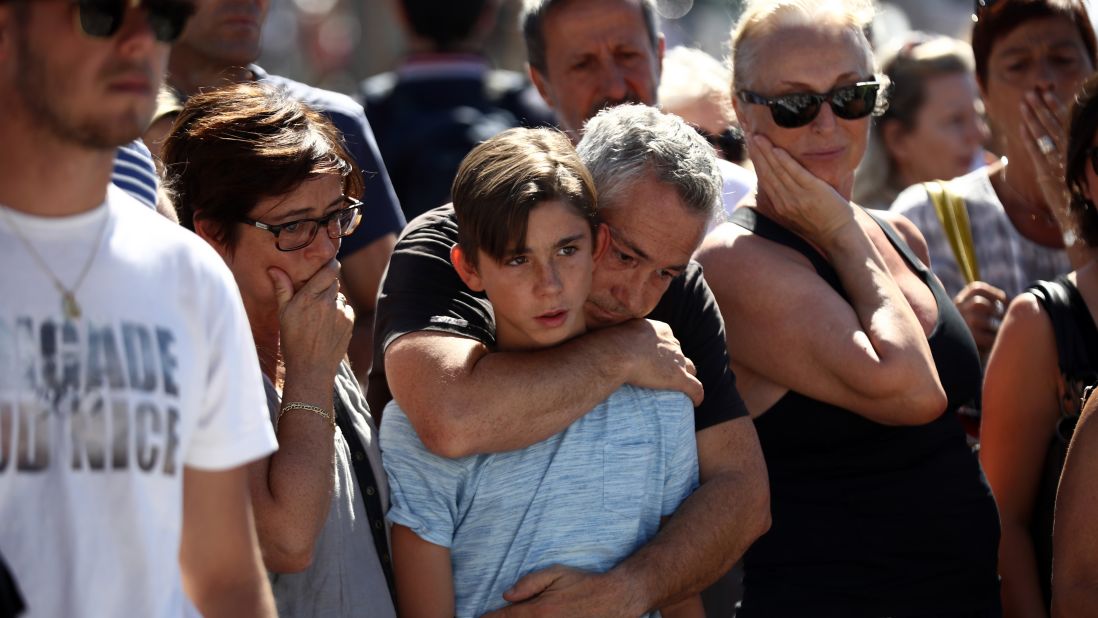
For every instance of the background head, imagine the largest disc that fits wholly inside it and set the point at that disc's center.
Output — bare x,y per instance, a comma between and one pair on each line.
659,187
694,86
85,73
932,129
585,55
224,33
793,47
1080,162
451,25
1025,46
506,177
233,147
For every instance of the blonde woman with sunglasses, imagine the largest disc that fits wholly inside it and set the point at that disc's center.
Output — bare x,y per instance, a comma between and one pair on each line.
849,354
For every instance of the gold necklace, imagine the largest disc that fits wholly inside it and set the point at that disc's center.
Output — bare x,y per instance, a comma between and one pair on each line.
69,307
1036,215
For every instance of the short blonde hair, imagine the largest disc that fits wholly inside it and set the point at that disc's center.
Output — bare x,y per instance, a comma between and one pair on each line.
690,74
762,17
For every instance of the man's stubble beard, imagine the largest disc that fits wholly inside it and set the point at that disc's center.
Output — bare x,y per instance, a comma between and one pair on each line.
43,100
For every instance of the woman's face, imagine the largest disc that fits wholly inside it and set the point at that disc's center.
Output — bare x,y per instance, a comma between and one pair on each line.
799,59
255,251
1043,55
948,134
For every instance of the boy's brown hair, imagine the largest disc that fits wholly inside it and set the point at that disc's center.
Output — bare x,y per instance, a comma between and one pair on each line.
507,176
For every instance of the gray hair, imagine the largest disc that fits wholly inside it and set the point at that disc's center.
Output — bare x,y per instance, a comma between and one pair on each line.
761,17
626,143
532,18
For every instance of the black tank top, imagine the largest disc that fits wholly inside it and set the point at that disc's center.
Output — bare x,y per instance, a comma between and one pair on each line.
871,519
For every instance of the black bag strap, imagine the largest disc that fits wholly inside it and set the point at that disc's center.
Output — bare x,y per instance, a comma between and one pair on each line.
368,488
1068,312
1056,299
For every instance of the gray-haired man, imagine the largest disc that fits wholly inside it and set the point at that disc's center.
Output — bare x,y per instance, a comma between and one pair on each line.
434,349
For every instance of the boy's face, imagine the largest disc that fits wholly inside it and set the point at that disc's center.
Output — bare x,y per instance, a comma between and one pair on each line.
538,292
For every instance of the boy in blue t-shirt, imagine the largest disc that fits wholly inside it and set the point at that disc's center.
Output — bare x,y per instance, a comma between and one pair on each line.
466,530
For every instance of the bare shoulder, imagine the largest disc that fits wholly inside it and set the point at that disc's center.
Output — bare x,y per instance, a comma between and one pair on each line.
907,231
730,254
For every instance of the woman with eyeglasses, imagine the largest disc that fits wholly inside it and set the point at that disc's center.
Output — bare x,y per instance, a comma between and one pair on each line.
1030,57
847,351
1044,357
267,182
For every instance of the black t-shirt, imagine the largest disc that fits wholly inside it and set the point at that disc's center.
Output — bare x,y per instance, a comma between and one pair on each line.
422,291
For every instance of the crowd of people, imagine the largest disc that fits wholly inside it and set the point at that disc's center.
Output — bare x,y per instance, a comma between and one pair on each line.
581,342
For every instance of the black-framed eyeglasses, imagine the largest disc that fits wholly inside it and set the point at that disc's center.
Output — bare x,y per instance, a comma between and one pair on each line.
103,18
796,110
297,234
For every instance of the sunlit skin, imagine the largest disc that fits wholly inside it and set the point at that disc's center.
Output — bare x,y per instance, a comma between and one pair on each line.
811,60
651,242
948,132
538,289
255,252
110,84
597,54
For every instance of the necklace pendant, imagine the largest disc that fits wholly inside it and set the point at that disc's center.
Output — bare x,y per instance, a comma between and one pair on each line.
69,306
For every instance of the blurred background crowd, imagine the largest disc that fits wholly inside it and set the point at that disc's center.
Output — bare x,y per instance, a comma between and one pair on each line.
335,44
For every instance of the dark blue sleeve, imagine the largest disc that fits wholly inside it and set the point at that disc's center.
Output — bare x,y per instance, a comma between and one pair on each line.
382,214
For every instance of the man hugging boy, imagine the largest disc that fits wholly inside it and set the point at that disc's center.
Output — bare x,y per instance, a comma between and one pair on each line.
465,530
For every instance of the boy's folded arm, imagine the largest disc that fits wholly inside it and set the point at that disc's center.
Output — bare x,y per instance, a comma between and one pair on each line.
424,576
464,399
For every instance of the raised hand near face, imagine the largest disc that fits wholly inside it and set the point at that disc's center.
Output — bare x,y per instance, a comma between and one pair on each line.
803,202
315,322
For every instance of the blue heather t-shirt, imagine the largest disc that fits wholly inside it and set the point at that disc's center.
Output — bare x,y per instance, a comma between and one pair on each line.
587,497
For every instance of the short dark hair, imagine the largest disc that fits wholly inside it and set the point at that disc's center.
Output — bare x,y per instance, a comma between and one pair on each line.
1000,19
447,23
532,19
234,146
501,180
1084,126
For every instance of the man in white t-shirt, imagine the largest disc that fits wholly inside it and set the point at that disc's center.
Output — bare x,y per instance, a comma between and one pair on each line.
130,395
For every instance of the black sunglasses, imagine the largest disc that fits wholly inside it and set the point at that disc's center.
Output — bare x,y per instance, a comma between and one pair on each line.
796,110
729,143
297,234
103,18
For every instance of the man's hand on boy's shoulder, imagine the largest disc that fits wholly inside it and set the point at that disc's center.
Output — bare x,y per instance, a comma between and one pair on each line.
657,360
566,591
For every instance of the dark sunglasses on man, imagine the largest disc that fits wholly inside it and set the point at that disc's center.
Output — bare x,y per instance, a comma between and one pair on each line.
103,18
790,111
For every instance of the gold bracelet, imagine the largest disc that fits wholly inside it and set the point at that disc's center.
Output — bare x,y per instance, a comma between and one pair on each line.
297,405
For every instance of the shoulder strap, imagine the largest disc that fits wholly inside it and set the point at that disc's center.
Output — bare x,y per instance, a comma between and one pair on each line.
899,243
367,487
1056,298
953,216
760,224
